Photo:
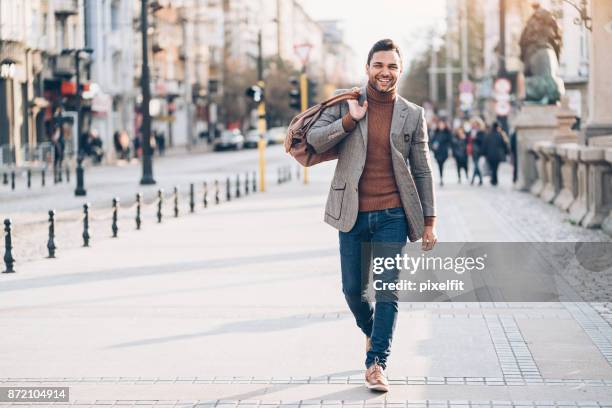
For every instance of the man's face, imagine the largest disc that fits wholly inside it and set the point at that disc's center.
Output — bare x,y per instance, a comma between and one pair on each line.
384,70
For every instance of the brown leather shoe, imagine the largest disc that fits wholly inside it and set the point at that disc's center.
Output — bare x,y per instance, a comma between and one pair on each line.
368,344
375,378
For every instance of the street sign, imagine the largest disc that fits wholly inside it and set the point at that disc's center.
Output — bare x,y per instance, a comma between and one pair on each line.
303,51
502,108
466,99
502,86
466,87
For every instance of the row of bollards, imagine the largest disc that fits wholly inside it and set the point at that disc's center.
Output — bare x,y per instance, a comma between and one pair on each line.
248,187
10,178
284,174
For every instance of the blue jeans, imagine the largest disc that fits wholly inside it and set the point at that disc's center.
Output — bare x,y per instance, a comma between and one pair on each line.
357,247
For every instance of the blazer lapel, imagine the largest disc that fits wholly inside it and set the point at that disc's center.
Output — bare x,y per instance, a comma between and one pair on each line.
399,118
363,124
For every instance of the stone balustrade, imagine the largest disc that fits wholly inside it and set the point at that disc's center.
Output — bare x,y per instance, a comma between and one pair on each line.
576,178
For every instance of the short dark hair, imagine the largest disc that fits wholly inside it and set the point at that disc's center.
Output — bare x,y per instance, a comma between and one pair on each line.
386,44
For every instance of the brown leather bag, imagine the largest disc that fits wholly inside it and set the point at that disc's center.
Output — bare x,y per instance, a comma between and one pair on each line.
295,141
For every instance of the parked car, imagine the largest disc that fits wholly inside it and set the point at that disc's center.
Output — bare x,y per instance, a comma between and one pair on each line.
229,139
252,138
276,135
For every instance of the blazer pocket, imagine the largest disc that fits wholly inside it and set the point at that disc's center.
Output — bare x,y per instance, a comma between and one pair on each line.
334,201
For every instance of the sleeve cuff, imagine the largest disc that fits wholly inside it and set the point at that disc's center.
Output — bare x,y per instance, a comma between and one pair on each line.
348,123
429,221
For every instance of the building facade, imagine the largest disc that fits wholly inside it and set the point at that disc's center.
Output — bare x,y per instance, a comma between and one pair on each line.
112,93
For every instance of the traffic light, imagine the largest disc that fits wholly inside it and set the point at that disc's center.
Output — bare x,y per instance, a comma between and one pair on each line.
255,92
213,86
312,92
295,98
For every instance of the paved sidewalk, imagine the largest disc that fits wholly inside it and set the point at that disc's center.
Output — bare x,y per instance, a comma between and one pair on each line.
241,305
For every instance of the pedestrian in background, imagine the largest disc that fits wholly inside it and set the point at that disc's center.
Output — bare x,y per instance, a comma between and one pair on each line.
495,148
440,144
117,144
58,140
94,146
459,148
59,145
137,146
124,145
160,139
478,136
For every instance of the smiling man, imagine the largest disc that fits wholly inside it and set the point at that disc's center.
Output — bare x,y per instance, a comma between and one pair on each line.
382,192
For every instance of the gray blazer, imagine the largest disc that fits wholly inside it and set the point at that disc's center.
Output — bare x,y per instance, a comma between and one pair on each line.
409,154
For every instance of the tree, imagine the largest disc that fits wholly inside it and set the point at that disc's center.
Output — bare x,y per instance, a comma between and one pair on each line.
278,73
234,106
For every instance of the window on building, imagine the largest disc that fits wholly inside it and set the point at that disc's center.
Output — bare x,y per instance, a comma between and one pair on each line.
116,68
115,14
60,28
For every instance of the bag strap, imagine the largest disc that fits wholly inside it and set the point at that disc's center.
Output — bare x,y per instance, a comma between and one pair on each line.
344,96
334,100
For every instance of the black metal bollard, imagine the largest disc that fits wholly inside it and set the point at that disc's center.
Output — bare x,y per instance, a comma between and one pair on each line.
29,178
160,203
297,173
86,235
246,183
205,199
51,242
237,185
42,177
216,191
13,180
115,227
80,175
176,210
138,205
5,179
9,261
228,193
191,198
288,169
254,182
67,174
278,176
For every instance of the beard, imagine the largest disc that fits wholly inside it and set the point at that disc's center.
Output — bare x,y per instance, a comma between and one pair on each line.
373,82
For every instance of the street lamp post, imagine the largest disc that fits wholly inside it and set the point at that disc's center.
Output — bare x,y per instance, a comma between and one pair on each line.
80,176
502,38
147,160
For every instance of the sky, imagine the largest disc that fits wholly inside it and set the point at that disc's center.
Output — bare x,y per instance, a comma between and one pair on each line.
365,22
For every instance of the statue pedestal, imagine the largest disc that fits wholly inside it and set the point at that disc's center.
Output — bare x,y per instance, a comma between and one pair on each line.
533,124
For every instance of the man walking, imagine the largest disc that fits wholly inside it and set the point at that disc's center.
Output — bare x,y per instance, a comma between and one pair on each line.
382,191
495,149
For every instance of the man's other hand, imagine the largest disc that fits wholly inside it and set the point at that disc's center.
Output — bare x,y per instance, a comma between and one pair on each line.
429,238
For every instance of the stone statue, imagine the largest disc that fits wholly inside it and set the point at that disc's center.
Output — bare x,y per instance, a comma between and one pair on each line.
541,43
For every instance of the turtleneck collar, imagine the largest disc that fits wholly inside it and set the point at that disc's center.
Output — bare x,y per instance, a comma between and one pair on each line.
380,97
